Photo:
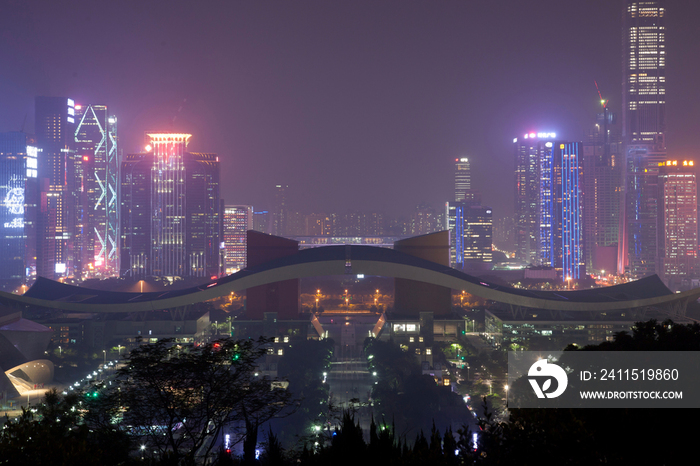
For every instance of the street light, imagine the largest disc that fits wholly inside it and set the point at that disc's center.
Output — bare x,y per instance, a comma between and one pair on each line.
506,387
568,282
119,349
60,352
104,355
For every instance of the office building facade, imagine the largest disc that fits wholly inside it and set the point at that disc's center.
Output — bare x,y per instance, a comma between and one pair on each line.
463,178
170,211
643,132
238,219
19,196
549,187
678,221
603,163
471,233
55,130
96,172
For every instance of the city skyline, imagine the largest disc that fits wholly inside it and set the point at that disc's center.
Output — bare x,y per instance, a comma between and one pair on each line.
464,89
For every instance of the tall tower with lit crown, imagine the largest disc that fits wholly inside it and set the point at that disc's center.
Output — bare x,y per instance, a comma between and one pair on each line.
643,133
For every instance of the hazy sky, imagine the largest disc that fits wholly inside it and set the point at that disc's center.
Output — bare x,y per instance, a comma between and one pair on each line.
354,104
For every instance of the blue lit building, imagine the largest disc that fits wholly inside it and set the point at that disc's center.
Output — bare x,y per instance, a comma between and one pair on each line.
18,202
471,233
549,203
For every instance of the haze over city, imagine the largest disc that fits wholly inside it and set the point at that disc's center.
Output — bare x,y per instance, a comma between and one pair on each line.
349,232
354,105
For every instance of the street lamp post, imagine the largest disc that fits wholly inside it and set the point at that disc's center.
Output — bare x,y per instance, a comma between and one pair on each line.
104,358
506,387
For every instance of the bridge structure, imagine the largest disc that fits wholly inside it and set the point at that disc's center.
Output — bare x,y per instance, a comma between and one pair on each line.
647,293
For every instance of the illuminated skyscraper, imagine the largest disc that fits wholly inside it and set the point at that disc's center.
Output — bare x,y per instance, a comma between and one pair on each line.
96,167
643,132
170,211
238,219
549,203
471,233
463,178
279,214
530,151
55,129
603,163
678,221
644,73
18,198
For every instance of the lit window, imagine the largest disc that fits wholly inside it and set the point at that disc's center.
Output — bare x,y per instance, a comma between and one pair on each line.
428,351
420,339
280,352
417,350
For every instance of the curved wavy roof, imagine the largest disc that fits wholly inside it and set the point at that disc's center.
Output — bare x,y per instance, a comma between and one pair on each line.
339,260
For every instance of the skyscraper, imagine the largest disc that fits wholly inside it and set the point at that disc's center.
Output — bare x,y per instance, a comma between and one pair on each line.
603,157
55,129
279,213
238,219
170,210
471,233
643,132
549,203
463,178
678,221
19,196
530,151
96,167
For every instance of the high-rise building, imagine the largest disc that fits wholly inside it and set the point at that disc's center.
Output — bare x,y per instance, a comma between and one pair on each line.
238,219
318,225
96,168
19,196
423,220
567,227
644,72
463,178
170,220
678,221
602,158
279,214
549,187
471,233
643,132
55,130
530,150
262,221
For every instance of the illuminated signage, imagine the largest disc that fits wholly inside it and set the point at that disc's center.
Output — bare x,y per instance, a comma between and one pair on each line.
464,159
540,135
515,140
60,268
14,201
70,119
32,151
71,103
15,223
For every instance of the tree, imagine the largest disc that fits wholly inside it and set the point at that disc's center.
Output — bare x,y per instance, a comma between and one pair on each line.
178,400
55,434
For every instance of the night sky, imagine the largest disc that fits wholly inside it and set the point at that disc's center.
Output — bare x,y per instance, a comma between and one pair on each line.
354,104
